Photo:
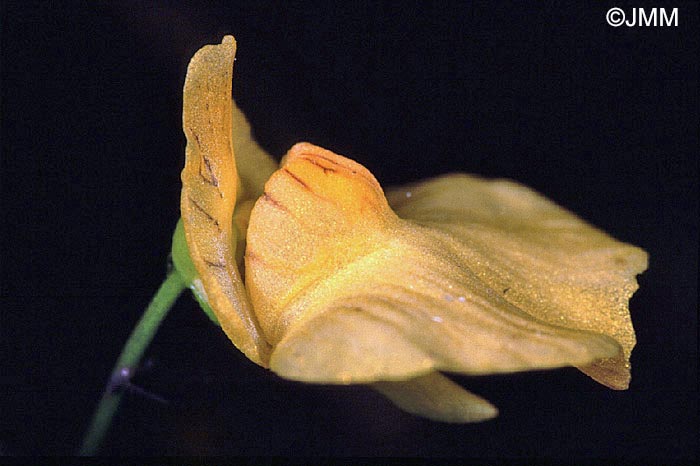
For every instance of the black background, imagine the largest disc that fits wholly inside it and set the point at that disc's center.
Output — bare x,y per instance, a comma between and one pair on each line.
602,120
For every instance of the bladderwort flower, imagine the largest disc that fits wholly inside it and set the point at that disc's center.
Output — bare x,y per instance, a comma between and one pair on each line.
315,272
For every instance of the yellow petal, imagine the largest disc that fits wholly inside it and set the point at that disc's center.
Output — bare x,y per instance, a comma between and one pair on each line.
537,256
209,185
254,164
318,213
436,397
347,292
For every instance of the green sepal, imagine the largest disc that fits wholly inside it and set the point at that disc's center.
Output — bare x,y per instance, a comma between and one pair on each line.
184,266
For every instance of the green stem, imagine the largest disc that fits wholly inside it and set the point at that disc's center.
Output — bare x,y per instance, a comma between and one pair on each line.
129,359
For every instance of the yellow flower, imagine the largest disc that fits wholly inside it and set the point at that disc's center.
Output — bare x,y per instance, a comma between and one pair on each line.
346,284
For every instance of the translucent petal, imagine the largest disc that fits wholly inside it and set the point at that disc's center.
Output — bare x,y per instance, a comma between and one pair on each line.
436,397
538,256
254,164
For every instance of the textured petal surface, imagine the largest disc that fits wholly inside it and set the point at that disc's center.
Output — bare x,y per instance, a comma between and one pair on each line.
538,256
318,213
347,292
209,188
